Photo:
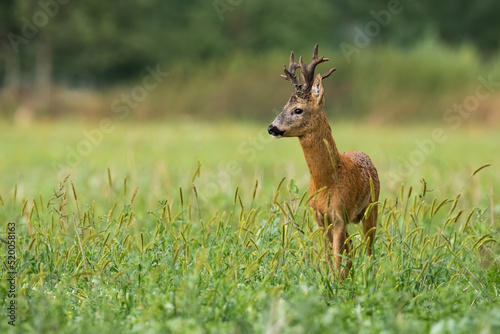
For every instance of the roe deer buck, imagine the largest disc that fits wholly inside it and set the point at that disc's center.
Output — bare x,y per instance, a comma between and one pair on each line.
342,185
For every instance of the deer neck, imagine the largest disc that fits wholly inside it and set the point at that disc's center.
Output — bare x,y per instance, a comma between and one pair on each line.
321,154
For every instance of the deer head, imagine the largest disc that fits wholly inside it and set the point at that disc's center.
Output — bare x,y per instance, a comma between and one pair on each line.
304,110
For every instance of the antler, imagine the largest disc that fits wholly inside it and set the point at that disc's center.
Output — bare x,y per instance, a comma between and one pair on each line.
290,73
306,73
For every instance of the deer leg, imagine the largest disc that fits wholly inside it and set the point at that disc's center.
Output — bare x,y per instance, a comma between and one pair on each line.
340,248
320,220
348,249
336,234
369,229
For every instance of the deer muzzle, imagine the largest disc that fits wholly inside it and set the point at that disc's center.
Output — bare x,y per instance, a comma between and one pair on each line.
274,131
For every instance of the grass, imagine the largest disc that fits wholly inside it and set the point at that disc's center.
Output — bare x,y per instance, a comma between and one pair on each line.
190,228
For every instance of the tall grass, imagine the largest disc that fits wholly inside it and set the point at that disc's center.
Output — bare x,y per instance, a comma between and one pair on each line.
252,268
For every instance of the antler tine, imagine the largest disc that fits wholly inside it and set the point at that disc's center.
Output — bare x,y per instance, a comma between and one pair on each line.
327,74
292,67
290,72
315,51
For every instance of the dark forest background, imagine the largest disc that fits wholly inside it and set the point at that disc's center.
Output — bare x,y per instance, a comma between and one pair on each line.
396,60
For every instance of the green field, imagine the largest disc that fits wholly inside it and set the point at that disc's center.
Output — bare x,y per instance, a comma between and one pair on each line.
191,227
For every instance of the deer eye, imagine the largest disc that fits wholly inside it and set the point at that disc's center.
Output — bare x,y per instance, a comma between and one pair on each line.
298,111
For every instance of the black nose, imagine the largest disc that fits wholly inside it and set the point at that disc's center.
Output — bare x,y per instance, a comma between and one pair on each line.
274,131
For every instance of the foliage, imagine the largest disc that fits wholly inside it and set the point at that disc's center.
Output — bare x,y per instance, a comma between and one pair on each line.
421,84
94,42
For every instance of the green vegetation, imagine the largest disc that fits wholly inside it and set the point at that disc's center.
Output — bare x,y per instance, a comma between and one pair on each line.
93,43
142,238
428,80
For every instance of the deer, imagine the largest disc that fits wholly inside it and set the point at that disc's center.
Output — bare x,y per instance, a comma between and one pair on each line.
344,187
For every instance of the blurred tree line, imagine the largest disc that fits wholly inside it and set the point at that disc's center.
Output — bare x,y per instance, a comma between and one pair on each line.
99,43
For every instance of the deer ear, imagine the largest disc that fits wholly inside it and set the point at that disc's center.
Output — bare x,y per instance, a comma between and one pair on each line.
317,90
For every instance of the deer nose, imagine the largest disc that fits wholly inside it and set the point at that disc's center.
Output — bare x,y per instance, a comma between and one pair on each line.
274,131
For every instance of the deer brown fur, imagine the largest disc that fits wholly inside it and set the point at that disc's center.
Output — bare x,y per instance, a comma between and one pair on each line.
342,185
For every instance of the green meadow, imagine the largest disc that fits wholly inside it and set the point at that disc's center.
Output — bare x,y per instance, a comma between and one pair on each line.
203,227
